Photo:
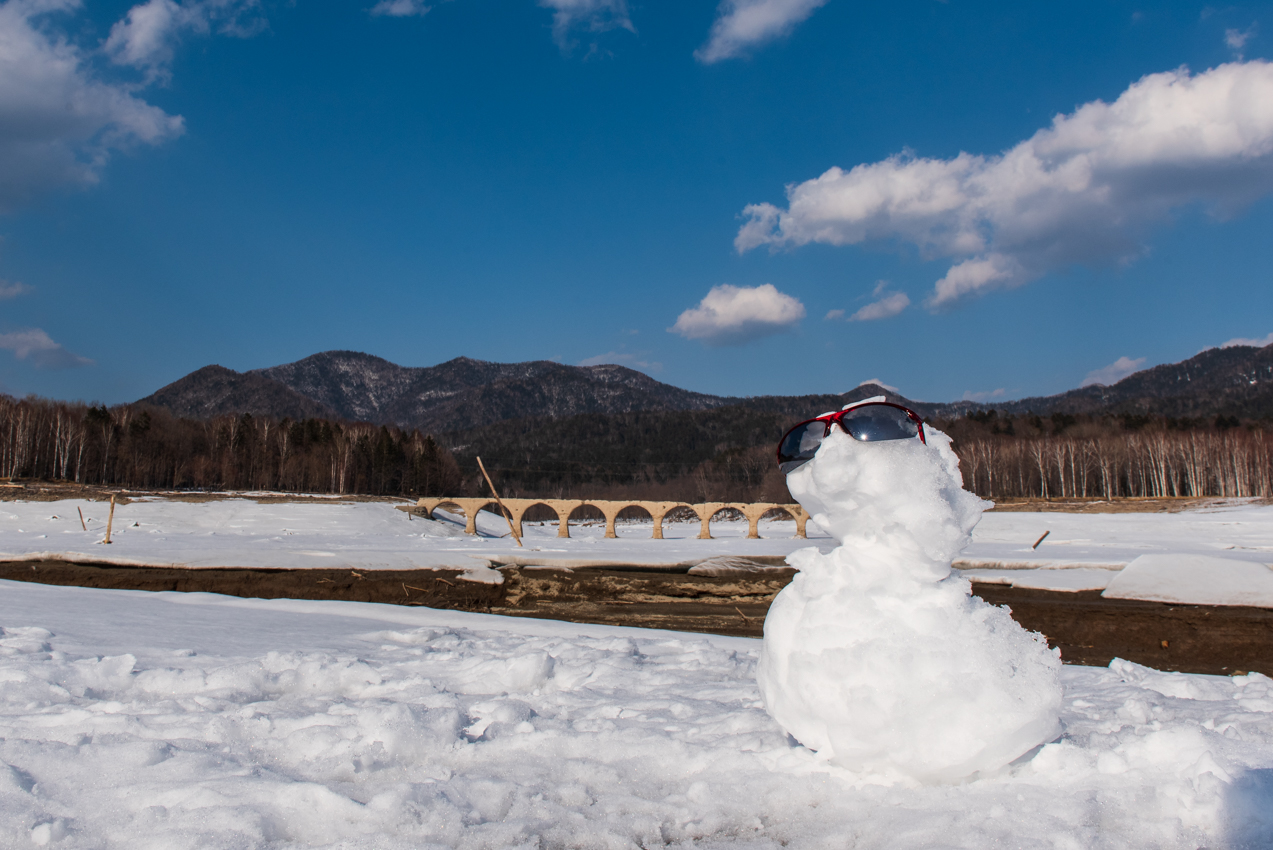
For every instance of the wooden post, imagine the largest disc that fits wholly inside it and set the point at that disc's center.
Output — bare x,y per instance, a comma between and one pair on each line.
110,519
508,515
82,523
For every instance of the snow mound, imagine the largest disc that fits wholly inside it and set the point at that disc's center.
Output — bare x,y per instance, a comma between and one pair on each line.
731,565
1194,580
188,720
875,655
1068,580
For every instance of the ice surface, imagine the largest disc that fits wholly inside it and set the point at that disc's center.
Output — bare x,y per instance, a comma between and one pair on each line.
166,720
240,532
726,565
1195,579
1067,580
875,656
1241,529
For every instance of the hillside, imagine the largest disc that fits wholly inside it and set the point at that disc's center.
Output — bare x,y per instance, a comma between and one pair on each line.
1234,381
218,391
461,393
464,394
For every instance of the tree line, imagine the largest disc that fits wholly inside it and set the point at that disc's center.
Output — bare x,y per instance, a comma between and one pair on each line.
724,454
727,454
148,448
1108,457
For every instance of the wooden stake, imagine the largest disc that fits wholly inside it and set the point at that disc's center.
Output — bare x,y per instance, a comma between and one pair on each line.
77,507
1040,540
110,519
508,515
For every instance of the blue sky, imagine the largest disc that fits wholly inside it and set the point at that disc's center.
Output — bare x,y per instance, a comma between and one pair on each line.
247,183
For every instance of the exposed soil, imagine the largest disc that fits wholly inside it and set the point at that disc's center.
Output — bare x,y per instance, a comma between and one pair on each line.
1087,628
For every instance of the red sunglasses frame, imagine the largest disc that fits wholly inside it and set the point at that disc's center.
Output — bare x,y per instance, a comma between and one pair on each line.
836,417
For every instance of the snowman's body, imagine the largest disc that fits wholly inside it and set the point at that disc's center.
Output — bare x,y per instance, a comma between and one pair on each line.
875,655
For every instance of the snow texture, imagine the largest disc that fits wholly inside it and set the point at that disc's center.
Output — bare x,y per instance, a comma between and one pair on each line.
165,720
240,532
1194,579
875,656
1231,528
1083,551
1061,580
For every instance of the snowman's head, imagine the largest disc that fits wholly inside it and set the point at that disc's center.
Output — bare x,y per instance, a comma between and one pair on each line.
905,493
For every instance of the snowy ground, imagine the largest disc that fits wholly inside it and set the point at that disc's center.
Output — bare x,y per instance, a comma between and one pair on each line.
1081,552
134,720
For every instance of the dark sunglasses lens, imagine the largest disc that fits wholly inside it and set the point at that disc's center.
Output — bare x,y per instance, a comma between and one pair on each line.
800,445
879,422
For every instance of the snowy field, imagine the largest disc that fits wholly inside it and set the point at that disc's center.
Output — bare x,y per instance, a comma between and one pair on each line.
1081,552
135,720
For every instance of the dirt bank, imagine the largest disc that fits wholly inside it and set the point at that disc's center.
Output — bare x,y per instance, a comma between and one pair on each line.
1087,628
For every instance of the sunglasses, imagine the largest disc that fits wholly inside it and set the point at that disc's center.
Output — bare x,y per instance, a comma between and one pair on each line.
869,422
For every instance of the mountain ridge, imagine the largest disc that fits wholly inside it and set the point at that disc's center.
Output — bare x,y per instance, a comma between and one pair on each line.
467,393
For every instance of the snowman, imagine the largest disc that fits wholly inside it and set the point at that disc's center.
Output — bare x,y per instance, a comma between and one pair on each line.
876,656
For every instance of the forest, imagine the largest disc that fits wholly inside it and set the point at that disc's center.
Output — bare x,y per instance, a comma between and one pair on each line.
148,448
724,454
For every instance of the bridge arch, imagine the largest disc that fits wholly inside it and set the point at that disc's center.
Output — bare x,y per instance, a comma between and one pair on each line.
633,510
660,511
760,512
610,510
520,507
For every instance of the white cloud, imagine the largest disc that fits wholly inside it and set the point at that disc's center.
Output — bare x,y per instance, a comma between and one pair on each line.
741,24
400,9
1114,372
1236,39
144,38
147,36
12,290
976,277
43,351
733,315
58,124
983,396
1254,343
622,358
877,382
595,16
834,314
1084,190
887,304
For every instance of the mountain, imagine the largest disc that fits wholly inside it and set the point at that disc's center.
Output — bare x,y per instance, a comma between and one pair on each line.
1235,381
464,393
461,393
216,391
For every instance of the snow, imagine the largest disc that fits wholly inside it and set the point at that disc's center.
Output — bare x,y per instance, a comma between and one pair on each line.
240,532
135,720
1081,552
1069,580
875,655
1234,528
1194,579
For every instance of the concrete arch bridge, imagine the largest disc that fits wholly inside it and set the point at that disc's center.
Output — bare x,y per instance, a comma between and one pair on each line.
610,509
